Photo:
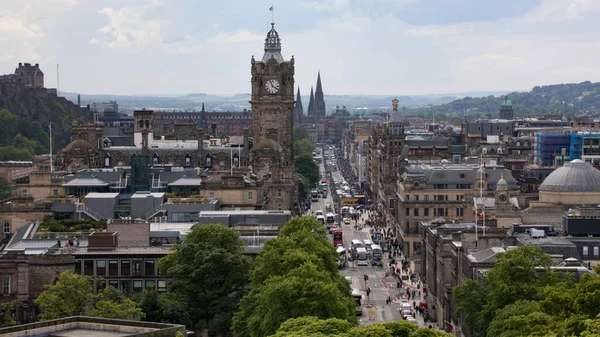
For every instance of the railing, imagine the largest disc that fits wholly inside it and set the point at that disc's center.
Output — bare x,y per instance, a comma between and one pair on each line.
81,208
119,184
158,209
61,235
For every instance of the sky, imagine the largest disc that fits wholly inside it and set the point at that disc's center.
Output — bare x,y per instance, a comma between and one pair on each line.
369,47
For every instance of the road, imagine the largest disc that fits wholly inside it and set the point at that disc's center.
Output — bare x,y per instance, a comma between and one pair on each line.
374,307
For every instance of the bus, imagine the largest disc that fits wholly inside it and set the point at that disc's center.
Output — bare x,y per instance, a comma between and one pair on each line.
314,195
358,300
376,254
362,257
337,237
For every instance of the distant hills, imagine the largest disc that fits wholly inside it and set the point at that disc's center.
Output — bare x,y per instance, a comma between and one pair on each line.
564,99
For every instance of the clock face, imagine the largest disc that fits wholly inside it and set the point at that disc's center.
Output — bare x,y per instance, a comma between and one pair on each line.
502,197
272,86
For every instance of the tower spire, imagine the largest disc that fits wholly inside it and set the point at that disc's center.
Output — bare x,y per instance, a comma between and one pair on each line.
319,105
311,103
298,109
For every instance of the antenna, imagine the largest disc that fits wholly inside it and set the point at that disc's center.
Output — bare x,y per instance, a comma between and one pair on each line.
57,80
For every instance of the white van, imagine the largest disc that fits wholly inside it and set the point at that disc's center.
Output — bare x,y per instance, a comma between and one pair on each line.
362,257
319,212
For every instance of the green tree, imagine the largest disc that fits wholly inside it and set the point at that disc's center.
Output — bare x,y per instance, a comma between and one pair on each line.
300,133
303,187
70,295
306,166
209,272
303,146
5,189
295,275
167,307
112,303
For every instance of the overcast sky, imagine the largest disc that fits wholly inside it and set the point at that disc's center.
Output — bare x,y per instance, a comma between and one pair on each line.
390,47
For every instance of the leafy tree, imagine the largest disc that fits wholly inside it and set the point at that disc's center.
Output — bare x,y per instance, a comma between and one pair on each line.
303,187
306,166
167,308
70,295
211,297
301,133
295,275
112,303
5,189
303,146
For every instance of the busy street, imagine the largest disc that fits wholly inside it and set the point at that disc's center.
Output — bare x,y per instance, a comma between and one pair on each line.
385,288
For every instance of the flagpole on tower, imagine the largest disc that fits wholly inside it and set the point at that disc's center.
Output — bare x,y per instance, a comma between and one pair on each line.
272,9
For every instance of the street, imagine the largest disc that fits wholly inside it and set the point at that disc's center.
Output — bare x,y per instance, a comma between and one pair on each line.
375,307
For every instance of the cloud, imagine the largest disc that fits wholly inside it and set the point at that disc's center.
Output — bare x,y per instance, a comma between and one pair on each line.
127,27
328,5
562,10
239,36
437,30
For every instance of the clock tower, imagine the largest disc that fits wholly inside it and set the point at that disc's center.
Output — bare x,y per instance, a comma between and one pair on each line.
272,101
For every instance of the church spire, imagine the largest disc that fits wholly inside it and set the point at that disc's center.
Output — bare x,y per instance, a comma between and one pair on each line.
298,109
203,106
319,105
311,103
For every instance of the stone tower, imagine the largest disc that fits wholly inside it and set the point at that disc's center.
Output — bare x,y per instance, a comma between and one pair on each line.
506,109
298,110
319,107
272,101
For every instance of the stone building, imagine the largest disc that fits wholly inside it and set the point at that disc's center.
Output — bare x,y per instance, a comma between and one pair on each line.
228,123
444,191
384,161
272,100
26,75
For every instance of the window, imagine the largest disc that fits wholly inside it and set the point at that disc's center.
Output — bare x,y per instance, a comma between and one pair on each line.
101,267
113,267
6,286
6,227
162,286
100,284
137,267
426,196
461,211
24,193
595,251
416,198
426,211
124,286
188,161
149,283
106,161
407,211
88,267
416,212
114,284
55,192
149,267
585,251
78,267
279,193
408,197
211,195
125,267
250,196
137,286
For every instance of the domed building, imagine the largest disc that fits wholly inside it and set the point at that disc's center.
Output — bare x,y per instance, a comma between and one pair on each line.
575,183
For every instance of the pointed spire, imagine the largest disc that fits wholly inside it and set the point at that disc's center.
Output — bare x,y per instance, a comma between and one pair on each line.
311,103
202,106
319,105
272,46
299,100
319,87
298,109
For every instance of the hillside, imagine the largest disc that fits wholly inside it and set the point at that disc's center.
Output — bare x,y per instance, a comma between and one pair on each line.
30,111
564,99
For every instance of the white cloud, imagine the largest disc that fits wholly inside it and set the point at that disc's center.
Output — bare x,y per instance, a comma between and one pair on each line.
562,10
239,36
437,30
126,27
328,5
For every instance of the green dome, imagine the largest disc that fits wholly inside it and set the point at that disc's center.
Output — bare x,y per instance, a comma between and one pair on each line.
506,102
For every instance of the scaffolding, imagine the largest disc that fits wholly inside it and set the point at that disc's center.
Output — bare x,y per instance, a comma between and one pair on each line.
553,149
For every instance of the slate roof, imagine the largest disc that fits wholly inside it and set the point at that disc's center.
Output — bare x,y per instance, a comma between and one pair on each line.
85,182
187,181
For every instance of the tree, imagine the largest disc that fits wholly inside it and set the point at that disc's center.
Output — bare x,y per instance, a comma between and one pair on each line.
295,275
5,189
300,133
303,146
167,308
211,297
303,187
307,167
70,295
112,303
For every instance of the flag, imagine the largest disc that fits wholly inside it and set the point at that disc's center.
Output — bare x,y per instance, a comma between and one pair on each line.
271,8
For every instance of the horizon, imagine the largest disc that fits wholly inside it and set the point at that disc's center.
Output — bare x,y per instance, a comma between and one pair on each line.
404,47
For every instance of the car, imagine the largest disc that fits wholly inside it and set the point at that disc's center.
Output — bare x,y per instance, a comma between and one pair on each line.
406,313
411,319
347,221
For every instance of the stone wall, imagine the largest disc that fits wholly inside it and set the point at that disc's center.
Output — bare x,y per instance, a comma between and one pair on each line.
44,269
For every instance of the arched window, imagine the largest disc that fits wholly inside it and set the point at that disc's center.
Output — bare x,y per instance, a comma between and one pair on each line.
208,160
147,124
6,227
141,123
188,160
